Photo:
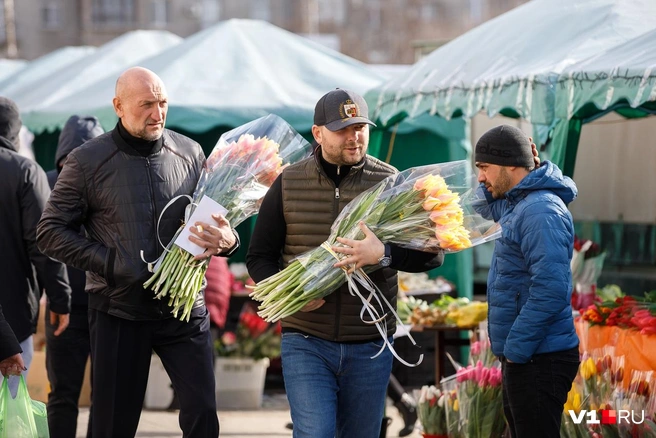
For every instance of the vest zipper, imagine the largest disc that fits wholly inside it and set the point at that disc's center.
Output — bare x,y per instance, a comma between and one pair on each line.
336,192
338,168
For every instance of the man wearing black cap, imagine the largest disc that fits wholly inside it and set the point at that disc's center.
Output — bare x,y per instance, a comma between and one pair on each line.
529,284
334,387
23,195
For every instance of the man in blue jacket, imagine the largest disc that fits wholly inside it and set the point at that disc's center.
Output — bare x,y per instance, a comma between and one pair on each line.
529,285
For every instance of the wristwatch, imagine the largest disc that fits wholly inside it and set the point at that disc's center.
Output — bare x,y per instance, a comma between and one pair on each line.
386,259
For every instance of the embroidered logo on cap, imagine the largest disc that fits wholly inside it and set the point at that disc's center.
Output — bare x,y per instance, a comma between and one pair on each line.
348,109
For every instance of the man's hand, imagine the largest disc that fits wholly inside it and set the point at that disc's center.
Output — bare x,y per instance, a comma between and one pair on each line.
534,149
360,253
313,305
12,366
59,320
215,239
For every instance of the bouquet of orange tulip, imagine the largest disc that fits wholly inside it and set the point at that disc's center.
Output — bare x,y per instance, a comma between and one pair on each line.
427,208
237,174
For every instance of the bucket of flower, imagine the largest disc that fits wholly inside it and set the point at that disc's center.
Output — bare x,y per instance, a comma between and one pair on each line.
242,360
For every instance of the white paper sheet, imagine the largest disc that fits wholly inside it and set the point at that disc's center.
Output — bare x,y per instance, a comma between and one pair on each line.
203,213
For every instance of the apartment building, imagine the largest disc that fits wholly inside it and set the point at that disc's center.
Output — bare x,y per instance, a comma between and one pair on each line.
374,31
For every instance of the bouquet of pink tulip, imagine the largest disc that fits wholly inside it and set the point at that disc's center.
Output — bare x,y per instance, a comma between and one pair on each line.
237,174
480,401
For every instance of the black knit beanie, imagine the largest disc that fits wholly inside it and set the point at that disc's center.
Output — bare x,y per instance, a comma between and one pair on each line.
505,146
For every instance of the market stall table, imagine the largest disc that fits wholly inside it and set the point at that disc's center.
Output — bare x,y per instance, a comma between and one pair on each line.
441,342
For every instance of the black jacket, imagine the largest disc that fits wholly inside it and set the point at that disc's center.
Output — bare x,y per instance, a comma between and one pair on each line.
118,195
8,343
23,194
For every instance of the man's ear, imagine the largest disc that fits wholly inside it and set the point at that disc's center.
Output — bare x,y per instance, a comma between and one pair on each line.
118,107
316,133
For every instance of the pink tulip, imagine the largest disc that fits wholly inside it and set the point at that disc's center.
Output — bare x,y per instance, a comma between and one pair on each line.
476,348
495,377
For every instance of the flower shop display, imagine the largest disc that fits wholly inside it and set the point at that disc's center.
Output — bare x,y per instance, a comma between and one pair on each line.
615,377
237,174
429,208
431,410
587,264
626,311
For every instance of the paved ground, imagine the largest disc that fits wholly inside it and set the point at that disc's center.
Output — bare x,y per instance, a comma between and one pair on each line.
269,422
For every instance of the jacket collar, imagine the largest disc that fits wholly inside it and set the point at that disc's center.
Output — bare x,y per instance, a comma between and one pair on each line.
123,146
317,160
6,144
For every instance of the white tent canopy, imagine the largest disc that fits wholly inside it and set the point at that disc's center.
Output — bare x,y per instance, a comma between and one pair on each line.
35,72
108,61
227,75
10,66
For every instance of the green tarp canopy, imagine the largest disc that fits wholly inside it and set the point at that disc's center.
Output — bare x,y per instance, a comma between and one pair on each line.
620,79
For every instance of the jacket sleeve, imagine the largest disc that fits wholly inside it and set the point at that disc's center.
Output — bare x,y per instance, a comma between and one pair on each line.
410,260
546,241
265,251
52,274
487,206
58,232
8,343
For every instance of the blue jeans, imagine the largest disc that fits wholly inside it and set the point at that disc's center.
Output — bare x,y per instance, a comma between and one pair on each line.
535,392
335,390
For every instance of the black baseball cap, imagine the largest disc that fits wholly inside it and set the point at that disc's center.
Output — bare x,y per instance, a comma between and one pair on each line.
341,108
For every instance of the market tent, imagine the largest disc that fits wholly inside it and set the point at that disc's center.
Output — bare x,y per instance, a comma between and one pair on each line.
621,79
511,64
604,104
107,61
38,70
10,66
227,75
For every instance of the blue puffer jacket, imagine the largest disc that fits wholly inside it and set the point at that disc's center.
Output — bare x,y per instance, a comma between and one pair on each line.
529,286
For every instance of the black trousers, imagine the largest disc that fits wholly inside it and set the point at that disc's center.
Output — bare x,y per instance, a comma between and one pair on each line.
534,393
121,351
66,359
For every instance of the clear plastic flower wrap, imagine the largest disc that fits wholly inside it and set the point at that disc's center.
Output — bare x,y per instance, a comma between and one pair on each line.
237,174
428,208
